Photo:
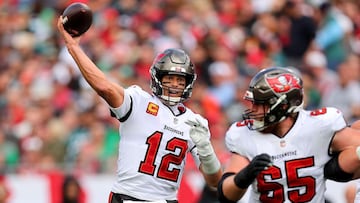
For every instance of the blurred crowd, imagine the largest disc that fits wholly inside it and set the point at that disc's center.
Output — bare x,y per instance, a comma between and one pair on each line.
50,119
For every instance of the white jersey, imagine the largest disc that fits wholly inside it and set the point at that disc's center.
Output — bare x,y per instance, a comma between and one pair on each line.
153,146
298,158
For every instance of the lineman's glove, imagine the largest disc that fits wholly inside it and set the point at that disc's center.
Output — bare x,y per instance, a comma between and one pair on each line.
247,175
200,135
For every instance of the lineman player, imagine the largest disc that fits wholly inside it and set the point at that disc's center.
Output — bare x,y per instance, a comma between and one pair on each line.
280,149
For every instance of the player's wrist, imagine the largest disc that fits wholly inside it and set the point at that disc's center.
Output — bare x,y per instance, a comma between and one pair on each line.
210,164
243,179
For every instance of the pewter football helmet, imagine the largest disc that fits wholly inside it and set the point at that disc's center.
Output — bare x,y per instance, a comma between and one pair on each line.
172,62
278,87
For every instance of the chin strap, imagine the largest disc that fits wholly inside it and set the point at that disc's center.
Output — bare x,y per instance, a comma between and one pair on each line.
170,100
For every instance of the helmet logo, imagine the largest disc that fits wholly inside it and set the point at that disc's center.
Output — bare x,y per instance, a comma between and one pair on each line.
249,95
283,83
177,69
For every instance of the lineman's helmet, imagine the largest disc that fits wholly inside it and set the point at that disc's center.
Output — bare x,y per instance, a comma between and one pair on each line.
279,88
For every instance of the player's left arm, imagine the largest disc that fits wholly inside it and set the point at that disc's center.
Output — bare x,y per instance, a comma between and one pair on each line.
345,165
210,165
347,137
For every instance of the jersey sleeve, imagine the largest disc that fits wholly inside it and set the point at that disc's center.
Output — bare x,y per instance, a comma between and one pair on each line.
333,118
229,139
235,138
130,95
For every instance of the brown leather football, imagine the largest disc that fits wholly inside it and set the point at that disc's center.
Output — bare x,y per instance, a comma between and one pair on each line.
77,18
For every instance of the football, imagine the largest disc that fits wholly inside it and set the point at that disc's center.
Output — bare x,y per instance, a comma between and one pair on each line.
77,18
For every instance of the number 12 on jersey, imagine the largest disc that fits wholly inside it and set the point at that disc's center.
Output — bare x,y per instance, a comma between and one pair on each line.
148,165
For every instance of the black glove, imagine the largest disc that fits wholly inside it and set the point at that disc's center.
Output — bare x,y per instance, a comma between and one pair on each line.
246,176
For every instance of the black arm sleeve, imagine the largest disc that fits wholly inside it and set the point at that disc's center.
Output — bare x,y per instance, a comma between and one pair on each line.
221,195
334,172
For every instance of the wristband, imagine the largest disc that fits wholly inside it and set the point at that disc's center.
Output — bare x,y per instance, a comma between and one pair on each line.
210,164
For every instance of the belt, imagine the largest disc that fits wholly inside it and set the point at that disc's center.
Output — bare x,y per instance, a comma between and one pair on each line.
128,199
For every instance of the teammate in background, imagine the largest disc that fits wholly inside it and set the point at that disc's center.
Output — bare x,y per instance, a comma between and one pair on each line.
157,130
280,149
